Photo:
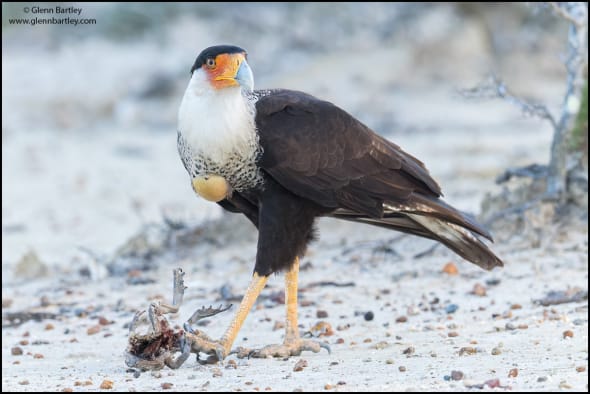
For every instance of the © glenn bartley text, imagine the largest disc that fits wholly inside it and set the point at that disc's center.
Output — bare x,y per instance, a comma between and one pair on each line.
52,10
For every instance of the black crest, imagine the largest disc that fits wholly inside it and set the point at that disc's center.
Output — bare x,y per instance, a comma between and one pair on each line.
212,52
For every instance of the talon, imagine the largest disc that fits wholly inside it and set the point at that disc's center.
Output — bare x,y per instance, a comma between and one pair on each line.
219,353
325,346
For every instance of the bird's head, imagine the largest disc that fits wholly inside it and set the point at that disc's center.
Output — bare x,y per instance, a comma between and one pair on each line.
222,67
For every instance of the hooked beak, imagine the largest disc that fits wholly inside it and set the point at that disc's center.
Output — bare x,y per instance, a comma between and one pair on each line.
244,76
233,70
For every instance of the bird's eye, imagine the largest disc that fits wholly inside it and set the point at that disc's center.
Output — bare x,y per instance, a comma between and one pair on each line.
210,62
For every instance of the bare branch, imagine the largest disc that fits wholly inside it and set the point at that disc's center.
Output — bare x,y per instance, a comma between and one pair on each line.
576,64
566,10
495,88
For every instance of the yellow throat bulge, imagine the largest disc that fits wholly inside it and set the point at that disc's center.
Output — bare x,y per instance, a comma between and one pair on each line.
212,187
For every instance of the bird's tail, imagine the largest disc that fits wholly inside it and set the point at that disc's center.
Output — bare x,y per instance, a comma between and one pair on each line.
434,219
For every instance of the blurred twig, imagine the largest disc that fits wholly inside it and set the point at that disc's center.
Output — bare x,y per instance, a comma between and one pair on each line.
576,65
494,87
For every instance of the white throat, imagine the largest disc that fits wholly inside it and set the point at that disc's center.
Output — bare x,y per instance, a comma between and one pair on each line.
217,124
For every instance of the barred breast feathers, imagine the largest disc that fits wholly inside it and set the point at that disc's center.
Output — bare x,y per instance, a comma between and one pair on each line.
217,135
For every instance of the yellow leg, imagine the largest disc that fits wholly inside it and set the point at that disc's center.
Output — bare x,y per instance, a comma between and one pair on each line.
293,345
291,281
256,285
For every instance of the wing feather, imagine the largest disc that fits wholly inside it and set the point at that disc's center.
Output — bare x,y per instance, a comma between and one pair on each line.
319,152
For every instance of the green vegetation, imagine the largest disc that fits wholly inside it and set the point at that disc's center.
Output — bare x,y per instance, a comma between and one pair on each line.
579,136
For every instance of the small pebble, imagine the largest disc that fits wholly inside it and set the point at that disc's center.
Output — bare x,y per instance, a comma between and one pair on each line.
106,384
523,326
103,321
510,326
369,316
322,328
231,364
493,282
49,327
542,379
339,341
568,334
300,365
401,319
447,377
402,368
457,375
433,354
328,387
496,351
23,342
68,390
16,351
409,351
479,290
450,268
24,382
453,334
513,373
93,330
367,340
380,345
581,368
217,373
467,350
321,314
38,355
166,386
515,306
248,383
278,325
451,308
492,383
389,361
564,385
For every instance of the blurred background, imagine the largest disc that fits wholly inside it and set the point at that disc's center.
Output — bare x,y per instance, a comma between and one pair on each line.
89,111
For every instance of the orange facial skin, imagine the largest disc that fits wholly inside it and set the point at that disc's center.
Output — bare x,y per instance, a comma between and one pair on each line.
222,74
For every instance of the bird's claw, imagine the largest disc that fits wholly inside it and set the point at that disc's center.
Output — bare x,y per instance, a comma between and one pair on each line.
287,349
202,343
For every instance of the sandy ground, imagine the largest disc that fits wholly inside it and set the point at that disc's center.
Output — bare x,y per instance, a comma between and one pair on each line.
391,284
77,184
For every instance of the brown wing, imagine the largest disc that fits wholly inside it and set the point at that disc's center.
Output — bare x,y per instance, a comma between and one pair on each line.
321,153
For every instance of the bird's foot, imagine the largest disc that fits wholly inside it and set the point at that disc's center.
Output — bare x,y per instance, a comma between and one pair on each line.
202,343
289,348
